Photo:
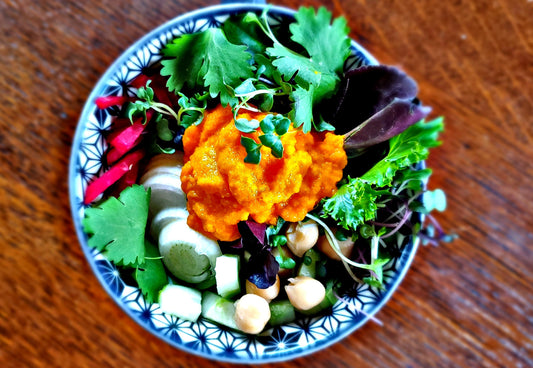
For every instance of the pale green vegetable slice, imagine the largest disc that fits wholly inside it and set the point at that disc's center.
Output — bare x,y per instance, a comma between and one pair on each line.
227,275
166,192
187,254
164,217
218,309
181,301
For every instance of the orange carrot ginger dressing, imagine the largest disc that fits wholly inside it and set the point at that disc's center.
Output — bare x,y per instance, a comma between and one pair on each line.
223,190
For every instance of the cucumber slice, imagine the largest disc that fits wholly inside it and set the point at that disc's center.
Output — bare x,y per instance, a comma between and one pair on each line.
281,312
227,275
187,254
181,301
218,309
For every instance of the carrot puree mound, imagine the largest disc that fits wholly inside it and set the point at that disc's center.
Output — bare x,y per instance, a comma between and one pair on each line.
223,190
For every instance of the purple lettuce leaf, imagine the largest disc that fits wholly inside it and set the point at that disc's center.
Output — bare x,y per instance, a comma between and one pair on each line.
374,103
385,124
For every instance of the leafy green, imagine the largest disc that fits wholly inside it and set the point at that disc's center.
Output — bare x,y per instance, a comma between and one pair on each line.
191,109
406,149
273,142
118,226
273,126
246,126
302,112
239,32
145,102
273,230
253,150
284,260
356,201
163,131
206,58
317,74
151,275
353,204
326,44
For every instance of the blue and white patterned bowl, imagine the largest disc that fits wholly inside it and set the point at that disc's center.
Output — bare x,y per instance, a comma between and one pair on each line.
304,336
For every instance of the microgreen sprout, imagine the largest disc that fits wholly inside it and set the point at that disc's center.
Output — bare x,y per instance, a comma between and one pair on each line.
146,101
272,127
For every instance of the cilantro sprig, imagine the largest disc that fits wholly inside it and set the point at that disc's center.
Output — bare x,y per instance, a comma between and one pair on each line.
315,76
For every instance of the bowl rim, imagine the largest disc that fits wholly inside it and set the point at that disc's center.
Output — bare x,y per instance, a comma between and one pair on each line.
226,8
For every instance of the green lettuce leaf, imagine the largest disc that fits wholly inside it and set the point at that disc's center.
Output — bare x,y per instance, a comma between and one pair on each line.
406,149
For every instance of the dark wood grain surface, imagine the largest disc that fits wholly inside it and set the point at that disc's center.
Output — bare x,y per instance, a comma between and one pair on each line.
464,304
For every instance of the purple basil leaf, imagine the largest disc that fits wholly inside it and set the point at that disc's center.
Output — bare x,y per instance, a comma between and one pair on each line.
259,230
230,245
261,269
365,91
386,123
249,240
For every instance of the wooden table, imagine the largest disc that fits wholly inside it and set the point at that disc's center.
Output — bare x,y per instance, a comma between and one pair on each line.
468,303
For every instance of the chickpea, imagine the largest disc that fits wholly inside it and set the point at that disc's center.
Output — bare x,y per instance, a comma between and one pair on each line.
268,294
251,313
346,247
305,292
301,237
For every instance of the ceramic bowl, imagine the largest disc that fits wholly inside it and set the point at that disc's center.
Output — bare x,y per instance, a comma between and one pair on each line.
304,336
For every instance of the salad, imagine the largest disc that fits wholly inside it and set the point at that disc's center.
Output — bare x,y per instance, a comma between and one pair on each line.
251,178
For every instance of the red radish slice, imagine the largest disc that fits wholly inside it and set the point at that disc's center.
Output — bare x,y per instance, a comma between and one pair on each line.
140,81
107,101
127,139
111,176
129,178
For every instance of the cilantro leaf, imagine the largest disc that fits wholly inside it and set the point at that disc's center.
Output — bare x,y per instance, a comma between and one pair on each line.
226,65
151,275
315,76
209,57
302,111
328,46
118,225
187,54
327,43
290,64
239,32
